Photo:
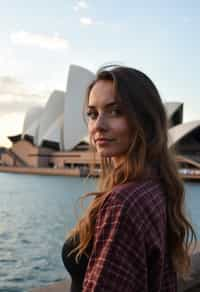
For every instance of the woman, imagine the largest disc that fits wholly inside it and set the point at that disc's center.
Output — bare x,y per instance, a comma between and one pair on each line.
134,236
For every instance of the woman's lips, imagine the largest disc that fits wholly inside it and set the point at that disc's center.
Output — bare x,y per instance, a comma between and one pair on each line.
103,141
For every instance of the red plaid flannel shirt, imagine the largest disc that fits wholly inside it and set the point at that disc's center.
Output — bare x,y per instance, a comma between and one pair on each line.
129,252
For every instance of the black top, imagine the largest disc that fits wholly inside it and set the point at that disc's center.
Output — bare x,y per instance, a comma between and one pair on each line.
76,270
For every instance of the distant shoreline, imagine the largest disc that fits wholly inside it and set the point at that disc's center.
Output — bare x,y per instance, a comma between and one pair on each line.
40,171
76,172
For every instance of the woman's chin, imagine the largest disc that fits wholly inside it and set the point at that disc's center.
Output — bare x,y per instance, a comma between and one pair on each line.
104,154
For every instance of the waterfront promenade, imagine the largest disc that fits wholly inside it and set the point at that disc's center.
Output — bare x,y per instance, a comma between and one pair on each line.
62,286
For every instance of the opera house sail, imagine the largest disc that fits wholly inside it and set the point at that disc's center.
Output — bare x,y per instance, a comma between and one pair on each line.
74,127
51,122
185,138
31,124
174,111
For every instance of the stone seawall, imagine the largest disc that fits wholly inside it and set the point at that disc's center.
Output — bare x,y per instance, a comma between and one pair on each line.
40,171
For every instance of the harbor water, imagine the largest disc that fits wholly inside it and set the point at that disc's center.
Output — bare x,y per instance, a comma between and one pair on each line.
36,212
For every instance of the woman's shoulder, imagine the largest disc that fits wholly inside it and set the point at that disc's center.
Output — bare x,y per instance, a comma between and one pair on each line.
130,203
137,189
138,196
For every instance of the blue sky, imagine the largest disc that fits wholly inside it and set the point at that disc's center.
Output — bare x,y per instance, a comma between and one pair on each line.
40,39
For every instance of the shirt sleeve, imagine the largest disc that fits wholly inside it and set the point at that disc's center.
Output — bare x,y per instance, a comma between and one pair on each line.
118,259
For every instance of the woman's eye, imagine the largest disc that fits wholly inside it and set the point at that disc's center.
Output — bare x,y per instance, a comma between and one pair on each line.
92,115
115,112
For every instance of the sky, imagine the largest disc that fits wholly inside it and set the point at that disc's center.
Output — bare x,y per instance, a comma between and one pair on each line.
40,39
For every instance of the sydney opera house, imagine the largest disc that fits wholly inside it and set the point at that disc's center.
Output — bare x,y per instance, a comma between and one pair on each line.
54,137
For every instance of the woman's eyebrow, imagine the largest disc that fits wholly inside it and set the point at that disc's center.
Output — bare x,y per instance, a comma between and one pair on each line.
108,105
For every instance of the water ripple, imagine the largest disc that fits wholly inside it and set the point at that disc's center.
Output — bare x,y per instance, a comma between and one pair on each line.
36,212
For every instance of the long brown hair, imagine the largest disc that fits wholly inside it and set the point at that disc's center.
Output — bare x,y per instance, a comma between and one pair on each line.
141,103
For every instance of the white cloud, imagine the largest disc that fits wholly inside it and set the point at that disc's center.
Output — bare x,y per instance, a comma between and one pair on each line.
40,40
8,61
17,98
9,106
80,5
14,90
9,84
86,21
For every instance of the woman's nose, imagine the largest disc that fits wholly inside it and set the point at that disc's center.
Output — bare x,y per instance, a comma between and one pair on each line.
100,123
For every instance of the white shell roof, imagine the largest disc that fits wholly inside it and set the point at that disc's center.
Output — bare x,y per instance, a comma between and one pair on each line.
178,132
74,127
85,139
172,107
54,131
51,121
31,122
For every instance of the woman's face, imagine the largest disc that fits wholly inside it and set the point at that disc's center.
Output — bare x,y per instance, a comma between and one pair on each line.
108,127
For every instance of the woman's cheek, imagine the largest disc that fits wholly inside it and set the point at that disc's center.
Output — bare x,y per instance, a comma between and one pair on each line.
91,139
